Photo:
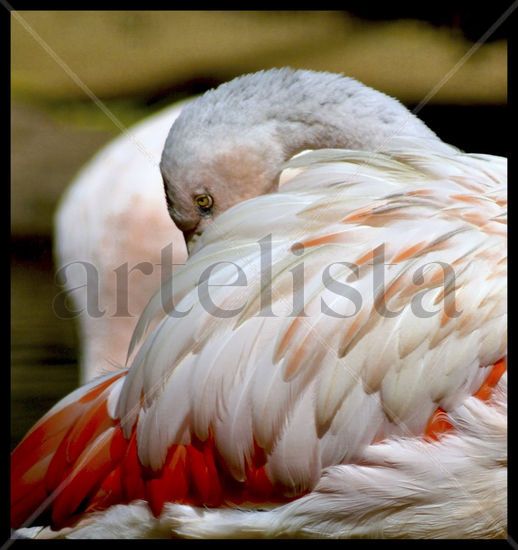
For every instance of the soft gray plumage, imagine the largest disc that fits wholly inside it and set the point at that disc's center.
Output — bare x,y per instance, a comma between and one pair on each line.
232,142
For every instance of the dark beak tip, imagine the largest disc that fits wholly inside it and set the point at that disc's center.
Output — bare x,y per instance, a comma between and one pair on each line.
188,235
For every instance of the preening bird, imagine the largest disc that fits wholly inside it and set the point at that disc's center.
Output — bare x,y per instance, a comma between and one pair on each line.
330,361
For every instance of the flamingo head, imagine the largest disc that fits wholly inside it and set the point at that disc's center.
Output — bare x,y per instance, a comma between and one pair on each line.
210,172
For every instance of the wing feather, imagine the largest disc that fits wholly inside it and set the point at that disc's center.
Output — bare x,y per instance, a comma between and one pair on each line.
342,206
266,399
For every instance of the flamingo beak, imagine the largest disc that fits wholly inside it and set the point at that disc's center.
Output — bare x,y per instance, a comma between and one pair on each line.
191,236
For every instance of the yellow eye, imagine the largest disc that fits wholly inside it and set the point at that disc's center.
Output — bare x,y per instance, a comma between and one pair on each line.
204,202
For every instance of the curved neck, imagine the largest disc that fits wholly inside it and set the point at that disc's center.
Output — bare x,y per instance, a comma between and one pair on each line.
241,134
344,115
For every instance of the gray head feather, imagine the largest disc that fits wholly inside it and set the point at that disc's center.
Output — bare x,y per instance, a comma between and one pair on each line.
231,143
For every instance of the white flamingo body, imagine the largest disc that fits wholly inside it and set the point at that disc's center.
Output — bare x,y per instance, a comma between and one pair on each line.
115,213
334,410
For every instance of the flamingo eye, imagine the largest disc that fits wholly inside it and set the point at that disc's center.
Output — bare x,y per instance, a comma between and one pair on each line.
204,203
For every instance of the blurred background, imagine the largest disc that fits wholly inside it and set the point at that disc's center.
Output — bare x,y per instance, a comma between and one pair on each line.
138,62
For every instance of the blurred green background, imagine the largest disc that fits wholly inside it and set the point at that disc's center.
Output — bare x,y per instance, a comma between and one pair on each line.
139,62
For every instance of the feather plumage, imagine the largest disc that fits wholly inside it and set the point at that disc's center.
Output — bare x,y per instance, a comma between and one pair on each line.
262,406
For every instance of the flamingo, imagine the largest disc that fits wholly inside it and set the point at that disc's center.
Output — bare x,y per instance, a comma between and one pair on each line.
110,229
330,361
